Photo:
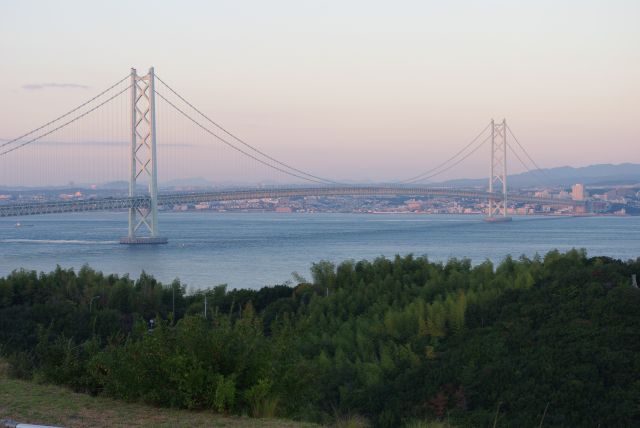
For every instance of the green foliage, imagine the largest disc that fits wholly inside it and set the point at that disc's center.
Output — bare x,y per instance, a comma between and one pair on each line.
225,394
388,342
21,364
261,400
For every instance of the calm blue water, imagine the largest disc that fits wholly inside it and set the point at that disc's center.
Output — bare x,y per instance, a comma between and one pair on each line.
257,249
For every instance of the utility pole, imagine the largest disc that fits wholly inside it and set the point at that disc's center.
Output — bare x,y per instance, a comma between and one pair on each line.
173,302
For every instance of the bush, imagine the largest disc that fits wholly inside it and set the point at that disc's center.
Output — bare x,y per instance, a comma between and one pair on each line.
382,342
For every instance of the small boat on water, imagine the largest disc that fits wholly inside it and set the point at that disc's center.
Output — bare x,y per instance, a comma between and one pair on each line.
18,224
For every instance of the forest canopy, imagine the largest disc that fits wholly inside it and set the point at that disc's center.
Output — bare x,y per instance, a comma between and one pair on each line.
395,341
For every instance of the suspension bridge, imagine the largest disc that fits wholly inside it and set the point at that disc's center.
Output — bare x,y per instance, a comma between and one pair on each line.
142,97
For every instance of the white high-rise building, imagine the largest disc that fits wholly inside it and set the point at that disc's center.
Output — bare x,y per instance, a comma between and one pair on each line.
578,193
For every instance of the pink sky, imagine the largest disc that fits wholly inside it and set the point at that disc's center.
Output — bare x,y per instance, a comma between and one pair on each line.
348,90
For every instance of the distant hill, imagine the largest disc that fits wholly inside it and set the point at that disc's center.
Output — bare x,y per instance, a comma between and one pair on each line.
187,182
114,185
601,174
565,176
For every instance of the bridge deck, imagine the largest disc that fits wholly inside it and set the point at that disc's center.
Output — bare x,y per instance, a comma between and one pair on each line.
121,203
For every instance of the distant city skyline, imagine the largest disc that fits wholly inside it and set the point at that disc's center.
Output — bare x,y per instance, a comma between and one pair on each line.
355,90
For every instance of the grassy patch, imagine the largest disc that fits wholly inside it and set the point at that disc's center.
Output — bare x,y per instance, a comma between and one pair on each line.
31,402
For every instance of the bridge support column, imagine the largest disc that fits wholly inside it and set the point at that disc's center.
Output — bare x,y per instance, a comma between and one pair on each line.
143,161
497,210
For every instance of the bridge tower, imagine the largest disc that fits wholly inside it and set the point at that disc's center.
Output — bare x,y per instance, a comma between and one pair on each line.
143,160
498,176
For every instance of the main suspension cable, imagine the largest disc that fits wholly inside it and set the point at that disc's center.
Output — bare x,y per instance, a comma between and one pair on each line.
66,123
241,141
421,176
228,143
519,158
434,171
452,165
533,171
528,156
64,115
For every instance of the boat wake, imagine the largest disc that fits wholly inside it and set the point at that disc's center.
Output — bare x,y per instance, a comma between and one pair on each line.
57,241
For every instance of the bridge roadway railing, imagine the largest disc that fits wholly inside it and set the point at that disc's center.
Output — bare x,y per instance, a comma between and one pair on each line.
120,203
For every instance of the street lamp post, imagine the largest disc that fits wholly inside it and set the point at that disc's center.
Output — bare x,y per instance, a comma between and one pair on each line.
205,306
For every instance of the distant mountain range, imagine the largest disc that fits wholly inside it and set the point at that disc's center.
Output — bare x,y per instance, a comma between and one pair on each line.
592,175
565,176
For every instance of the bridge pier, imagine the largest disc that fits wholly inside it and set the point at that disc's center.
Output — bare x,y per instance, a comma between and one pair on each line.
143,160
138,240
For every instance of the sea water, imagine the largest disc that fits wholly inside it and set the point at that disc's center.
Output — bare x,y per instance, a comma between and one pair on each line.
255,249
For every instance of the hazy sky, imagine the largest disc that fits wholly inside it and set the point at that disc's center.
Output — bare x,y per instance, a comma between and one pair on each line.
349,89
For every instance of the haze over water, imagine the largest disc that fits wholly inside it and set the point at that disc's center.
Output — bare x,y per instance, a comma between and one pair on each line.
251,250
